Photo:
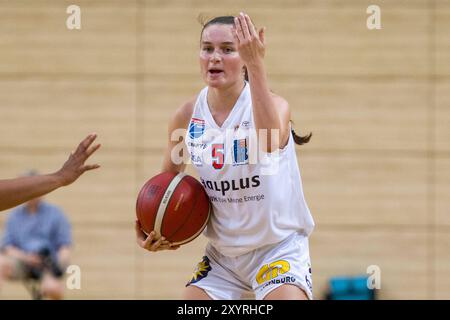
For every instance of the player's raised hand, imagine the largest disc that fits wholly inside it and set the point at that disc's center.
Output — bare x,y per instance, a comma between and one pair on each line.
251,45
150,242
75,166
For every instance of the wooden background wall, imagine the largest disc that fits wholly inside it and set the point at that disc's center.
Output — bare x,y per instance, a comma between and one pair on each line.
376,173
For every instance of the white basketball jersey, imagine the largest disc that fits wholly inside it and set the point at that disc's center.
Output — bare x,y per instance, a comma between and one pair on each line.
255,202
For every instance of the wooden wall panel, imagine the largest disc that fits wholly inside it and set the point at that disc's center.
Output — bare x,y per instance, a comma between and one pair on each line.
442,116
442,38
400,253
442,189
106,256
162,96
442,262
36,40
15,163
105,197
350,114
14,290
301,38
49,114
354,189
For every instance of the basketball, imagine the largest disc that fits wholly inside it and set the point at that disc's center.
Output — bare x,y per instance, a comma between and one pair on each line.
173,205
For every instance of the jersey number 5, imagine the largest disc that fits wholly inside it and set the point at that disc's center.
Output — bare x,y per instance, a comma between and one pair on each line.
218,155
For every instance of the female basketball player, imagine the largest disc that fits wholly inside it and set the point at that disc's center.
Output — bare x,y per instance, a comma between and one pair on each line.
258,231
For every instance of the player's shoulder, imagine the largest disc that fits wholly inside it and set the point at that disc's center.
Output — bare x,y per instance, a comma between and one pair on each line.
281,103
279,100
183,113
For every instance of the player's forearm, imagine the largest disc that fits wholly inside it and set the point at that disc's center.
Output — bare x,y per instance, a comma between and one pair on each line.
16,191
174,160
264,109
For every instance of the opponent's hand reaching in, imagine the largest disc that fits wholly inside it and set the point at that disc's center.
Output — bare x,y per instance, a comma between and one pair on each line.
150,242
75,166
16,191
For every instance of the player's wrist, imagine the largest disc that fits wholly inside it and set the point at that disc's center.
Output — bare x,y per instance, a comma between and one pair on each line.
58,179
257,65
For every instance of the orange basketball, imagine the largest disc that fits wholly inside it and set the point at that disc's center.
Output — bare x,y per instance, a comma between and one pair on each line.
173,205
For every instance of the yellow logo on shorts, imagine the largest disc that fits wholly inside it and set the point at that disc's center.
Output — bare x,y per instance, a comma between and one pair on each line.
272,270
203,267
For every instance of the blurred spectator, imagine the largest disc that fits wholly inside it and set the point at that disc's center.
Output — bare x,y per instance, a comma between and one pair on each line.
36,245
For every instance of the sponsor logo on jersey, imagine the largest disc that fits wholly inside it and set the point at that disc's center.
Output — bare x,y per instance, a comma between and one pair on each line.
234,185
197,145
272,270
240,151
195,149
245,124
196,160
196,128
203,267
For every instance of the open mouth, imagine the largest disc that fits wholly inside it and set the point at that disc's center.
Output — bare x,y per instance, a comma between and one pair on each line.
215,71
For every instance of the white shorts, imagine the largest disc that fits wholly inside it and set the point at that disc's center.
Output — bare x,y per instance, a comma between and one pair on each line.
256,273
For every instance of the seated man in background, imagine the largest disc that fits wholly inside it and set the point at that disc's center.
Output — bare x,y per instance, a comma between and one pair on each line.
36,245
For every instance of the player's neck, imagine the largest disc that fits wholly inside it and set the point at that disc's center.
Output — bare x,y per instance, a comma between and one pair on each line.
223,99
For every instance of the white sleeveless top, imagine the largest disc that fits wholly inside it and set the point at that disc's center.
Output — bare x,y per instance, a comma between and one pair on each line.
257,200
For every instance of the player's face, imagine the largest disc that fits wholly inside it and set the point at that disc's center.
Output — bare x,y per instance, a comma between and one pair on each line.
220,63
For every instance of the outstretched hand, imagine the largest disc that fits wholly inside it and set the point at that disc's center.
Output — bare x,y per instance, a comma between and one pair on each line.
74,166
251,44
